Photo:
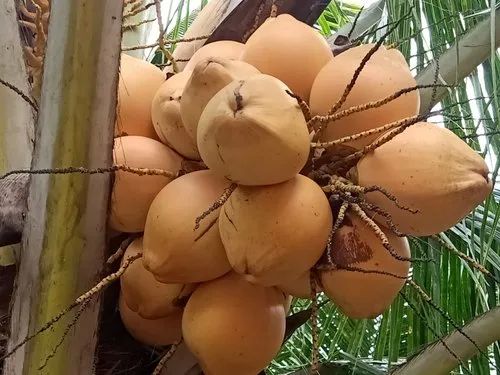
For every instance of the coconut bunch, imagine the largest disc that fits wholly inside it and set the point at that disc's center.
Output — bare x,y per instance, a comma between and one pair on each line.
302,188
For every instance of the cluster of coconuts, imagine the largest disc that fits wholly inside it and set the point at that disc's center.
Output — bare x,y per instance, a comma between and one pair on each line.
224,283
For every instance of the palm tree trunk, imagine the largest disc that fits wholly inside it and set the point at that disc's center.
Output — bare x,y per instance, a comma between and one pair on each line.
16,124
64,236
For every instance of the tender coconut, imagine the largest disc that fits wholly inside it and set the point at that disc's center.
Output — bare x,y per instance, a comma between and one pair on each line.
166,116
173,250
233,326
385,73
289,50
254,133
209,76
144,294
364,295
428,169
274,234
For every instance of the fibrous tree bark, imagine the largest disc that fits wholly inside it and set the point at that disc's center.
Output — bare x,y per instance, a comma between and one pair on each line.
64,235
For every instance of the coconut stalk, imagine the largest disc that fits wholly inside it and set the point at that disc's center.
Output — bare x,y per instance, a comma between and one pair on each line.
16,132
64,236
459,61
436,359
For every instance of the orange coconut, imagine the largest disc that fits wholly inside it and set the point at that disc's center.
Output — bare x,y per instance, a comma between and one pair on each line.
233,326
153,332
428,169
166,116
385,73
138,83
132,193
254,133
173,250
209,76
144,294
274,234
364,295
289,50
227,49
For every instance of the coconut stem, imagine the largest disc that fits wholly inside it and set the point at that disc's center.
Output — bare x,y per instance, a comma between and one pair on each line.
465,257
378,232
328,119
335,228
82,170
108,280
217,204
163,361
303,106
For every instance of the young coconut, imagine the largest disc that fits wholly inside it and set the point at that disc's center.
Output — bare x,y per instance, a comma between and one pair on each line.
209,76
289,50
273,234
166,116
253,133
138,83
300,287
385,73
132,194
234,327
173,251
429,169
146,296
364,295
153,332
227,49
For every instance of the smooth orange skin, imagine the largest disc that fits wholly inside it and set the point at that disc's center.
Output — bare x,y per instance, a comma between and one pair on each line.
428,169
144,294
233,326
385,73
132,194
289,50
227,49
157,332
138,83
274,234
173,251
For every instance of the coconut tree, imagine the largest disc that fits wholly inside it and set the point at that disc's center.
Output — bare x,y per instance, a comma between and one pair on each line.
446,317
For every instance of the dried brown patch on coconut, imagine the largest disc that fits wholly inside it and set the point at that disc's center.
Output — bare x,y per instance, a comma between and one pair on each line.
173,251
253,133
360,281
209,76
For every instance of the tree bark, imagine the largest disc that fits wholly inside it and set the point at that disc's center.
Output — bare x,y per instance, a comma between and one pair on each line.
16,129
64,235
